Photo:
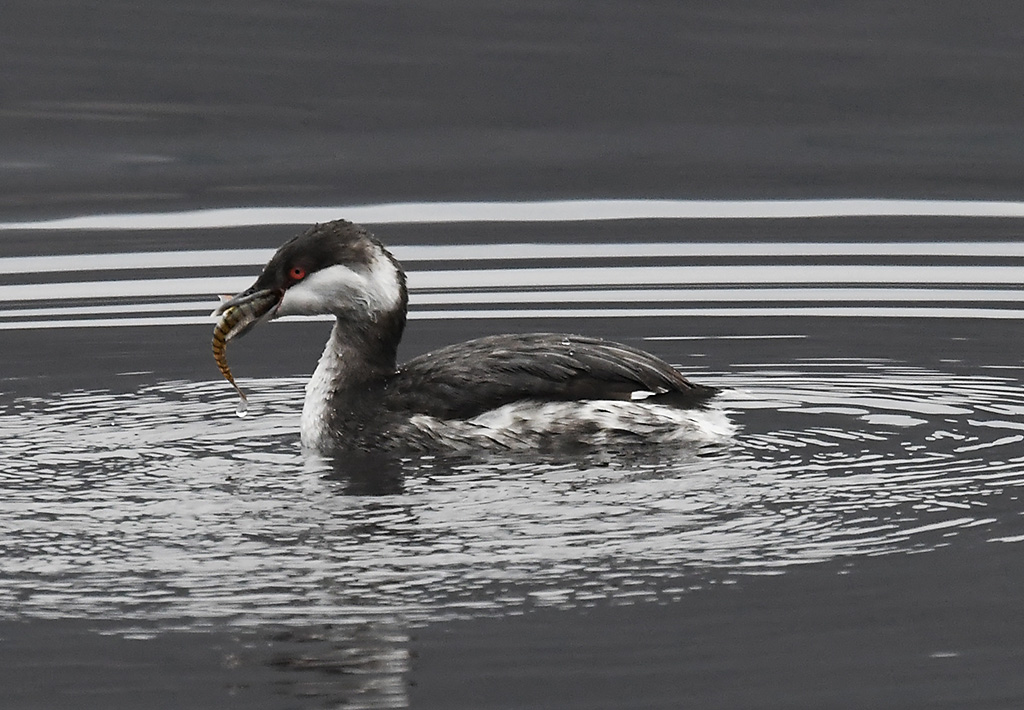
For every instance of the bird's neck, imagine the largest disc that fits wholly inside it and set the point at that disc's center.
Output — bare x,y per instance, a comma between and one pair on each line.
356,359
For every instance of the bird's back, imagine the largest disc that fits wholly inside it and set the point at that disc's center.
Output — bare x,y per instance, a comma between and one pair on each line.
467,379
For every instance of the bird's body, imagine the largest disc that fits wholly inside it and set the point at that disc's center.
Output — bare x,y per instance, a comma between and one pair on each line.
506,391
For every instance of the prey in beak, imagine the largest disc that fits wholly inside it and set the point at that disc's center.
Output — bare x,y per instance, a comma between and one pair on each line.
257,305
237,316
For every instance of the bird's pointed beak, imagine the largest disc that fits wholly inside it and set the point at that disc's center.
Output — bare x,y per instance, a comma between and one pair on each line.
265,300
262,304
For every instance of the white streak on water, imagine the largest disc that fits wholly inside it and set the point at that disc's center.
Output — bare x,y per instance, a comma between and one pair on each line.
138,260
733,274
516,252
539,211
126,288
491,314
753,312
116,309
724,295
103,322
989,444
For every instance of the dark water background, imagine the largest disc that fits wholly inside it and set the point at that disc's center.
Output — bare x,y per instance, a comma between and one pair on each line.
856,545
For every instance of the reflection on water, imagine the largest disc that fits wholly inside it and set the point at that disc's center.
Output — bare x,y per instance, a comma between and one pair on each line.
162,505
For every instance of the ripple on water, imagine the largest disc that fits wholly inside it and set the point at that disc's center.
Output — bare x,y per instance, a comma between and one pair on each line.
162,505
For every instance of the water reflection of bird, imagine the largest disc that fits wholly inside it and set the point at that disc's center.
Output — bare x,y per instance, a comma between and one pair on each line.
501,391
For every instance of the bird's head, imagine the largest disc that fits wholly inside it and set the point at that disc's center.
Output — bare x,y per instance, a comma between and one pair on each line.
337,268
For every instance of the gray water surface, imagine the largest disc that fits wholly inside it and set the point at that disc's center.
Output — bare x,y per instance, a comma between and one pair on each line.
159,507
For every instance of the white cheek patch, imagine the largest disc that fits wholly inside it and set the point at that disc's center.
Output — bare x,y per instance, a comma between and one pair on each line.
339,289
319,291
383,292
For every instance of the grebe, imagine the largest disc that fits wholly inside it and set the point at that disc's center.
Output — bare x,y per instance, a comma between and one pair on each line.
504,391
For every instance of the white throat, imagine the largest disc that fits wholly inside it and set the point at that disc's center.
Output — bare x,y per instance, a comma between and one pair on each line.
320,389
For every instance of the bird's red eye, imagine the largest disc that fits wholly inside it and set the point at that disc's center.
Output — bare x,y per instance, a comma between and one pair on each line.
297,273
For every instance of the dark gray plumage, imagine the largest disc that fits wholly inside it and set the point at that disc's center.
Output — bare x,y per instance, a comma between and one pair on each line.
466,379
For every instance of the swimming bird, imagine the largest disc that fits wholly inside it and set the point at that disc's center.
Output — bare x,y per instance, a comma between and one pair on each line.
503,391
